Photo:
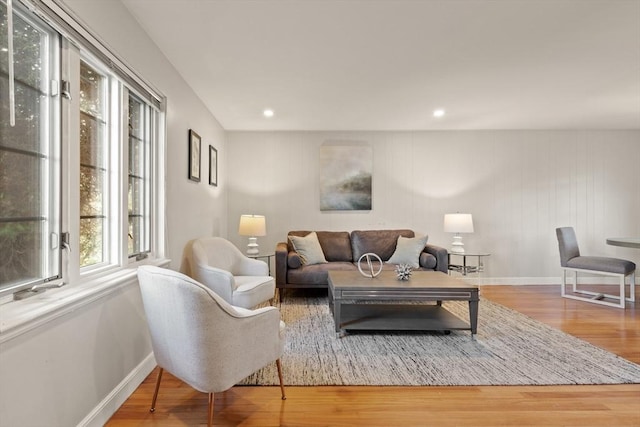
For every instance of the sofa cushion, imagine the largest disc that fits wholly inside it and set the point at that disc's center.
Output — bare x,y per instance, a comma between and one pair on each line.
250,290
309,249
598,263
428,261
336,245
294,260
317,274
408,250
380,242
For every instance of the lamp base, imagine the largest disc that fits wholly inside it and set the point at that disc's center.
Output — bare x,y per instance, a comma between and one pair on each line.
457,247
252,247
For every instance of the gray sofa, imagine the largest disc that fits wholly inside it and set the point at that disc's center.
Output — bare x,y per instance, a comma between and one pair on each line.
342,251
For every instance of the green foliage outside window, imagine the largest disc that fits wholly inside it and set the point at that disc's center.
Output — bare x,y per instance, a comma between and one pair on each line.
93,168
22,153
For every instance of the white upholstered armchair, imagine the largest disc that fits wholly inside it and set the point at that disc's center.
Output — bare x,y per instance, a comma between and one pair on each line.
201,339
218,264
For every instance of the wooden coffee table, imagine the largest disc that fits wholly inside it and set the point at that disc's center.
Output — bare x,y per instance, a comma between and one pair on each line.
351,296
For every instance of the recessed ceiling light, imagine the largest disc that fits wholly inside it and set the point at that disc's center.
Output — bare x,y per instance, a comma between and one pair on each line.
438,113
268,113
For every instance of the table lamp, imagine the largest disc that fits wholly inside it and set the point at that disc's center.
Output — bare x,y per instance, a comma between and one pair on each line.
252,226
458,223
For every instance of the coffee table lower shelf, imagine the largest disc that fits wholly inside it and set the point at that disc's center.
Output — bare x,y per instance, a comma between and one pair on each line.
399,317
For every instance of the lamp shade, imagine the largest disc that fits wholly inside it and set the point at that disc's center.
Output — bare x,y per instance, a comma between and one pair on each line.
252,225
458,223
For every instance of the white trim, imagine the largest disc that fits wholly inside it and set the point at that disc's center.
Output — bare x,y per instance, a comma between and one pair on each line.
65,15
110,404
19,317
517,281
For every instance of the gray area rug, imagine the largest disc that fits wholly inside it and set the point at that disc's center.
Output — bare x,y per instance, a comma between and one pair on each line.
510,349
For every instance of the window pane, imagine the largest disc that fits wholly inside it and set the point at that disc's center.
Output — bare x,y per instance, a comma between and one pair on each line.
91,141
91,235
20,190
26,134
93,171
28,48
29,171
136,157
21,246
139,155
91,91
91,184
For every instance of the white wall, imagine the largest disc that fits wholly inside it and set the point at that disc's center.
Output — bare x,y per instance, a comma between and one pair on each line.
74,366
519,186
80,365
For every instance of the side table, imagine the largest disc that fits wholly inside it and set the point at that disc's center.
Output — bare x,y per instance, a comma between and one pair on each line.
466,268
265,257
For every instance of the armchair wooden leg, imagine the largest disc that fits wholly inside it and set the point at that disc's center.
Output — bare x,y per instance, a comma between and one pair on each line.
280,377
210,411
155,393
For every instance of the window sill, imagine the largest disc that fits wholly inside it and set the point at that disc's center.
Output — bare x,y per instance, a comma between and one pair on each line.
18,317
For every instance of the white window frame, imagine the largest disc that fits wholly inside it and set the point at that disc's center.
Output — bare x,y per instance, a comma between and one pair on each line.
83,287
50,183
111,151
150,135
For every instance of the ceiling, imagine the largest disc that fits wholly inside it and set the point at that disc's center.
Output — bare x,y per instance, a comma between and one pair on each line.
388,64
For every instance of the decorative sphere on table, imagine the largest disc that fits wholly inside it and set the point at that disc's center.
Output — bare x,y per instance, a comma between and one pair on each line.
403,271
370,272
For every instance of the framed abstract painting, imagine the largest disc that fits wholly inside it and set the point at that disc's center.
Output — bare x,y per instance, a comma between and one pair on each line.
345,176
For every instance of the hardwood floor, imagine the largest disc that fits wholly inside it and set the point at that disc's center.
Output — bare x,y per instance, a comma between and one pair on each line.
610,328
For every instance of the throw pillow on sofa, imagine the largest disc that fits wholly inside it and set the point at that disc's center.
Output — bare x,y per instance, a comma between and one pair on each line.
408,250
309,249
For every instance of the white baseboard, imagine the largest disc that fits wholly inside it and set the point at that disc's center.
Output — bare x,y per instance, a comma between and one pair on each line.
587,280
110,404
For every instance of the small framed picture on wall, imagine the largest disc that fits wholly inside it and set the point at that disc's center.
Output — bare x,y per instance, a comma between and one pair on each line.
194,155
213,166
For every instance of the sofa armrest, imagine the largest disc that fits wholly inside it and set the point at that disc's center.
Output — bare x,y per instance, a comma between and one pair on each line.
442,259
281,264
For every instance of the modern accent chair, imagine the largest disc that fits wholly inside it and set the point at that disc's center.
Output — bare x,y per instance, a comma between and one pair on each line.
219,265
571,260
201,339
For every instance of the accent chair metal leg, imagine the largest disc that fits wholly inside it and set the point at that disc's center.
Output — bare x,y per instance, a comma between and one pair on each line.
155,393
623,296
210,411
280,377
632,291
